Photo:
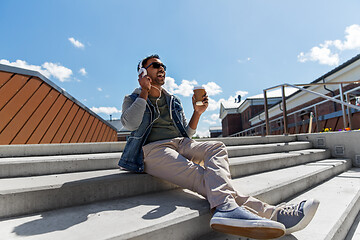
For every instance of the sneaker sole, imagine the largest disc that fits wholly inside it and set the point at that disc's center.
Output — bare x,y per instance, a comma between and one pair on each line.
307,218
249,229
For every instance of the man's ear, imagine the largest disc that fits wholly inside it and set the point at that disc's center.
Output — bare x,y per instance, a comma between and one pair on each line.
148,77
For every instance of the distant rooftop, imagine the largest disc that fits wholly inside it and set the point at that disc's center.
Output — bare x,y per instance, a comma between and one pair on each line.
228,104
275,93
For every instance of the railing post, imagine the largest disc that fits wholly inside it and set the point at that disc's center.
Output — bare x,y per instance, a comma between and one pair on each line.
342,105
284,110
316,118
266,114
349,111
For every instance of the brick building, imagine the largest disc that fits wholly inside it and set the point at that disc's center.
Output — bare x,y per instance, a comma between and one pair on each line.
235,117
248,117
327,114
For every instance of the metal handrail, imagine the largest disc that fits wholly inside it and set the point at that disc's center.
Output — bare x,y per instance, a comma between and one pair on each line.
311,106
342,102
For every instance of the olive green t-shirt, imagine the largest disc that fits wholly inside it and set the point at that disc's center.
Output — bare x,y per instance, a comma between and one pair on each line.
163,127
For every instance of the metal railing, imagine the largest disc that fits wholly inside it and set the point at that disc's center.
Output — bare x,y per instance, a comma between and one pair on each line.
283,119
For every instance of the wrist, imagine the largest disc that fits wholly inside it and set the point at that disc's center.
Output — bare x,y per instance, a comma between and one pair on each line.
144,93
196,113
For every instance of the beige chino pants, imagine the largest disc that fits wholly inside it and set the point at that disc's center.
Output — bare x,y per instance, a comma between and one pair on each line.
202,167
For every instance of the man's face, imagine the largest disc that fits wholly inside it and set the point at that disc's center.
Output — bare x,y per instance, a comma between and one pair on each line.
157,75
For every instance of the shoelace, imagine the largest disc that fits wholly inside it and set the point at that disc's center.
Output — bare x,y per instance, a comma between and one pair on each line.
290,210
284,209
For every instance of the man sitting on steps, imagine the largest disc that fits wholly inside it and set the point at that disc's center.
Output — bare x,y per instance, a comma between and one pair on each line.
160,144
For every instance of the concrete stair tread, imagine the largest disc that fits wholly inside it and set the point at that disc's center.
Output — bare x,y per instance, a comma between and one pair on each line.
23,166
136,217
121,218
280,144
335,195
247,165
36,183
256,149
260,185
273,156
338,197
52,181
59,149
44,165
354,232
231,141
257,182
59,158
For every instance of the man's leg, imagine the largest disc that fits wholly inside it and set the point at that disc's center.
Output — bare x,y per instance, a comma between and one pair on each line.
169,160
173,160
217,175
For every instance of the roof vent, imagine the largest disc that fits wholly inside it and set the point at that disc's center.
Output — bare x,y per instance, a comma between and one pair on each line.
339,150
320,142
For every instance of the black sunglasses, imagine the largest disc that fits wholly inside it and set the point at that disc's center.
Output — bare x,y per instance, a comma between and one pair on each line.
156,65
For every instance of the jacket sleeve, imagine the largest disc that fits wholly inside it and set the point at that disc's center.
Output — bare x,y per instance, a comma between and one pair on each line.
132,112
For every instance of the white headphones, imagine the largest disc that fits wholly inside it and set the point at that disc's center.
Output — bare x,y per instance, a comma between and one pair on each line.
142,70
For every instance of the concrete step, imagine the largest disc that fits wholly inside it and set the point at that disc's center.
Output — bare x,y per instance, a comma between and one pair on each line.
339,205
52,191
235,141
43,165
354,231
25,195
247,165
28,150
166,215
105,147
248,150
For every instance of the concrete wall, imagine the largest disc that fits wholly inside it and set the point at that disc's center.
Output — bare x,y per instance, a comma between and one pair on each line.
342,144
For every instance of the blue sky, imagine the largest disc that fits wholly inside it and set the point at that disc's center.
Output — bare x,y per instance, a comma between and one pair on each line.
91,48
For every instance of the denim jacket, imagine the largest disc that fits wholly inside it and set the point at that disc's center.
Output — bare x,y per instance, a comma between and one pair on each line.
133,157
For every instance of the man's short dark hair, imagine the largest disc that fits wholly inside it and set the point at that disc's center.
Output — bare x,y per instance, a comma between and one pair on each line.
144,61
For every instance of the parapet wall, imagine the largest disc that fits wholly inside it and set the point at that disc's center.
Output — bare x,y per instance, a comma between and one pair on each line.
344,144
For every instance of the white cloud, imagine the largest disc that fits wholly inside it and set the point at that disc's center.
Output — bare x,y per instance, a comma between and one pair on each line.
202,133
60,72
185,88
244,60
321,54
213,104
212,88
170,85
48,69
215,117
76,43
209,122
324,53
82,71
99,89
352,38
106,110
230,102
